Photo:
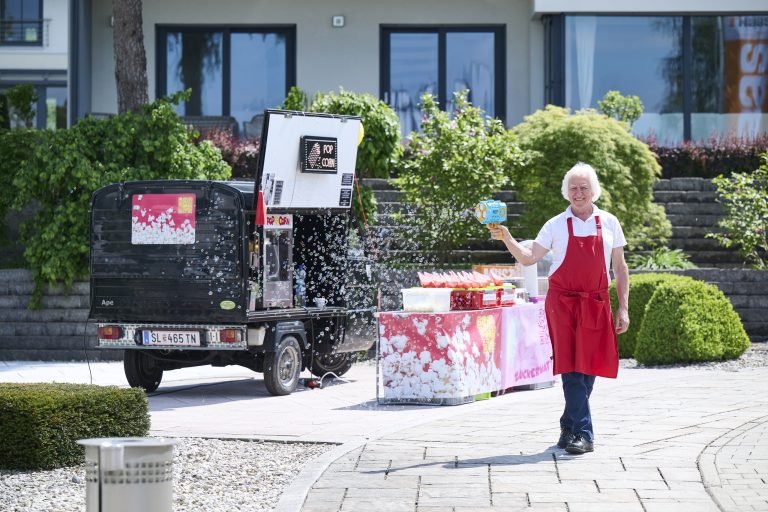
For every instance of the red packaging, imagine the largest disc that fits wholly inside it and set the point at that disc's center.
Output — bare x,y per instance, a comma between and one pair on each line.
475,299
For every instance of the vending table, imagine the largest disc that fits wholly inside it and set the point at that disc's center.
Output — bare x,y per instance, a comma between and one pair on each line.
455,357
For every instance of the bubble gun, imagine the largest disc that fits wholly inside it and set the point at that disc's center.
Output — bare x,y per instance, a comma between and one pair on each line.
491,212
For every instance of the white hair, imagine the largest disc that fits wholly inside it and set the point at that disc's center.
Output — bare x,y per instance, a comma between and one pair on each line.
584,171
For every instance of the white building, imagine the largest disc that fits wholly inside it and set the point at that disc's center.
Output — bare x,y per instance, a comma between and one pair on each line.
700,67
34,36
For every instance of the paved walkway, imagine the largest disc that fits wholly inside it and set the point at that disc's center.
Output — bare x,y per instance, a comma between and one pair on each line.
676,439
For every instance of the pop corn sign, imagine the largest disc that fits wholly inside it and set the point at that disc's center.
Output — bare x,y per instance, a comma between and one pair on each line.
163,219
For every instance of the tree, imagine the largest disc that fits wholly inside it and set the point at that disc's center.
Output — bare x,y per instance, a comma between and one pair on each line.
130,57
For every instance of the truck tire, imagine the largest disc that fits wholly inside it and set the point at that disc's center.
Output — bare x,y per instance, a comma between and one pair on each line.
141,371
282,367
339,364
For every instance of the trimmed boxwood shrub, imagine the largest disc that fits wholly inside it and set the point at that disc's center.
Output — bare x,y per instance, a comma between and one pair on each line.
689,321
40,423
641,289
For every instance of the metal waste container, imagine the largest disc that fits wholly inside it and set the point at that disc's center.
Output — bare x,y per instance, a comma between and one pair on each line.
128,474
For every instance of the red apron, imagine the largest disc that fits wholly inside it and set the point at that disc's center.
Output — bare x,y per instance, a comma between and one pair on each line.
579,309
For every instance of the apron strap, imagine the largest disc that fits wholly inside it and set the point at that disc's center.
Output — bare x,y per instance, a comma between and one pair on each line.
570,227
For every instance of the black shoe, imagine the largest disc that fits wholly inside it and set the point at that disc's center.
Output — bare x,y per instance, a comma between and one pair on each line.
566,438
579,445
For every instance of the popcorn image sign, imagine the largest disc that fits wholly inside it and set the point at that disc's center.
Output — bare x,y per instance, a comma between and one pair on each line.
163,219
440,358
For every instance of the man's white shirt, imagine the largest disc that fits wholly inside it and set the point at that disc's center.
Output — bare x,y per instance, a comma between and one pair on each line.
554,234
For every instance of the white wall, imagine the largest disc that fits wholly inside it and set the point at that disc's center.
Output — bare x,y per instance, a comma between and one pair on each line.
356,46
50,57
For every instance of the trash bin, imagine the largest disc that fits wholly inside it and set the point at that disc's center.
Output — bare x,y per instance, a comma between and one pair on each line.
128,474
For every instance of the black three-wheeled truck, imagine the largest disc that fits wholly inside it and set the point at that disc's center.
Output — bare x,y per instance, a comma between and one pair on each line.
187,273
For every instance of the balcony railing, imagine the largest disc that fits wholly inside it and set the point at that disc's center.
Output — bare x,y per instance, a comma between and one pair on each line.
24,32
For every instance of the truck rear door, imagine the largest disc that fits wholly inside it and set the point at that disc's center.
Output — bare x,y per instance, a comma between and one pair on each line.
168,252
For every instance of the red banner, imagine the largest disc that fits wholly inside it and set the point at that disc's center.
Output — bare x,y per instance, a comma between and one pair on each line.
163,219
440,357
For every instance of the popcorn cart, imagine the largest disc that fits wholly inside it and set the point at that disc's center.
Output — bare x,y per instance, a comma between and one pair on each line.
187,273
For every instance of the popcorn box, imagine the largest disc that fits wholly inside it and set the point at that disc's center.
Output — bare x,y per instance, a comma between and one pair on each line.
503,271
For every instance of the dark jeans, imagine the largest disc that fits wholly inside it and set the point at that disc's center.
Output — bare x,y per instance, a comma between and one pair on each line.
576,417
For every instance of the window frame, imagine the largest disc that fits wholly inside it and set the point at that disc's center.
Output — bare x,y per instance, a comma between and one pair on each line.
161,53
38,19
499,59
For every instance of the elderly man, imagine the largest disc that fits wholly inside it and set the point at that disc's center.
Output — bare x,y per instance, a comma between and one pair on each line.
584,241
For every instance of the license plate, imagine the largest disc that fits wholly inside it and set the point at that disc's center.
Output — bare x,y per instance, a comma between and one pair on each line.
171,338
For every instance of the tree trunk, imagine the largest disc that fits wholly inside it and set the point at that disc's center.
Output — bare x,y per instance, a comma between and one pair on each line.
130,58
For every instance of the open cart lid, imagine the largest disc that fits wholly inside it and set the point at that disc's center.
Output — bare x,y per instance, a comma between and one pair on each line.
308,161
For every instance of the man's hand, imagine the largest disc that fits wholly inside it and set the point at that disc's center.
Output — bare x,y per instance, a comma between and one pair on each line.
622,320
498,231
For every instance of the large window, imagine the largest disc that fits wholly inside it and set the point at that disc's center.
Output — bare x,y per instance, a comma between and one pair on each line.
729,75
442,60
698,76
51,91
21,22
236,72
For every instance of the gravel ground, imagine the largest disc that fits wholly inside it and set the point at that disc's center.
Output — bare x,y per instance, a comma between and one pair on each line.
756,356
209,475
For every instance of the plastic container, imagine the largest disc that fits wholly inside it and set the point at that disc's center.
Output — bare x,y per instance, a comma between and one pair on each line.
507,295
426,300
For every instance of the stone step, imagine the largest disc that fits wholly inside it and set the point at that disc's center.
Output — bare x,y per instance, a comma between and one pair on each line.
746,302
60,355
752,314
691,231
694,244
72,343
683,196
694,209
700,220
685,184
744,288
46,328
378,184
18,287
396,196
43,315
48,302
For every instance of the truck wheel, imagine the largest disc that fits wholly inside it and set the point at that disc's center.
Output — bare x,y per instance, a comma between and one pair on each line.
141,370
335,363
282,367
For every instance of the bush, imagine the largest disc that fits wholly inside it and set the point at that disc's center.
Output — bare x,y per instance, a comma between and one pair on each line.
745,198
689,321
380,149
15,146
296,100
65,167
22,100
707,159
42,422
457,160
661,258
641,289
556,140
627,109
241,154
378,152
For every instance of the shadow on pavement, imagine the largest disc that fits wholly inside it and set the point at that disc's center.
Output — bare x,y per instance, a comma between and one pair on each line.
498,460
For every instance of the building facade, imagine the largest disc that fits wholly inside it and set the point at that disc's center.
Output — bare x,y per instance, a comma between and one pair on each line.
700,67
34,37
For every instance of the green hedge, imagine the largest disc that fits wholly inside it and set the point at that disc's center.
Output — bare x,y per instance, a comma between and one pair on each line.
689,321
641,289
40,423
